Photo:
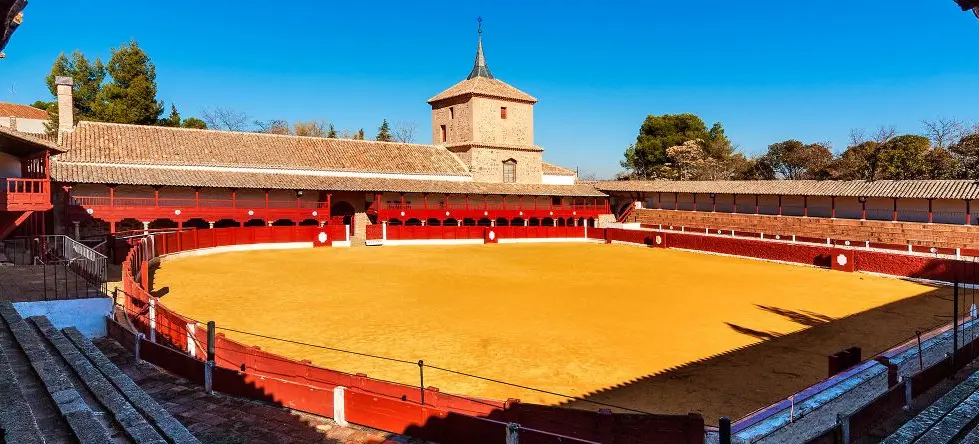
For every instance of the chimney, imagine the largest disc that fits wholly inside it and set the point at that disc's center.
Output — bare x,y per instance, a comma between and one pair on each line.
66,104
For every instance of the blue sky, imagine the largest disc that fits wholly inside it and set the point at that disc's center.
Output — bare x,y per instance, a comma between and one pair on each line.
767,70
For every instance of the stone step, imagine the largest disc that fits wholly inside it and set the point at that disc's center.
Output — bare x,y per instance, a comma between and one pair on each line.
936,414
16,418
134,425
82,422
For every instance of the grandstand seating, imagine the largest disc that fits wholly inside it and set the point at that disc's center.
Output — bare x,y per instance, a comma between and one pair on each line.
952,418
57,387
884,232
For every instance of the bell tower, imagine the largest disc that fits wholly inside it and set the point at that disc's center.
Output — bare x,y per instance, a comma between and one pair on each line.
488,124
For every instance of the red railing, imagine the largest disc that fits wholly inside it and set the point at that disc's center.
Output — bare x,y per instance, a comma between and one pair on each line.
172,202
178,343
30,194
480,205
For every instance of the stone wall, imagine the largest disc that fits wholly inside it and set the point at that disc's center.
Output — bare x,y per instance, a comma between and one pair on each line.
457,116
490,128
486,164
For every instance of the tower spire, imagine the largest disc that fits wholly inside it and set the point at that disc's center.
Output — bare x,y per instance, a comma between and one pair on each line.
479,68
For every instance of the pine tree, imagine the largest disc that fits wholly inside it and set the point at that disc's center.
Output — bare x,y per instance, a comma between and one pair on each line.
172,120
384,132
332,132
87,78
131,95
359,135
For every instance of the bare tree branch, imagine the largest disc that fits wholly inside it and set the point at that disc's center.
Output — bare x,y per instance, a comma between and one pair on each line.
404,132
225,119
857,136
943,132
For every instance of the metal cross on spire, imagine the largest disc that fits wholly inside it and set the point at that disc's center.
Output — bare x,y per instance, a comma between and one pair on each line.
479,68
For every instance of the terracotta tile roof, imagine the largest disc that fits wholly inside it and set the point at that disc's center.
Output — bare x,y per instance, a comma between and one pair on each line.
108,143
908,189
494,145
22,111
39,141
482,86
554,170
128,175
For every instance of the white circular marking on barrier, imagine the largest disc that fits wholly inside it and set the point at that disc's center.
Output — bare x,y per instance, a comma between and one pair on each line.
934,250
659,240
402,214
847,243
777,237
315,213
485,213
521,213
321,237
574,213
251,213
446,213
492,235
177,212
718,231
89,211
842,260
671,227
550,213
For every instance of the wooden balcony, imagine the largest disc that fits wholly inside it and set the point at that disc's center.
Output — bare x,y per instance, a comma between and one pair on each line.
115,209
482,209
25,194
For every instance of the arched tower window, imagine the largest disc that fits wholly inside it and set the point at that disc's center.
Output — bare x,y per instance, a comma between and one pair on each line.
509,171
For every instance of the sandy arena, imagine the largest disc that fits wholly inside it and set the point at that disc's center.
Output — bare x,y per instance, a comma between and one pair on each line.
657,330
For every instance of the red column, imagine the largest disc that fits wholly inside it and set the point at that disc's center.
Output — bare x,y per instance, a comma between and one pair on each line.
234,199
805,206
895,210
112,197
713,202
197,197
779,204
504,201
402,201
467,201
329,204
695,201
484,203
266,198
832,206
425,200
156,196
930,213
968,212
756,204
735,206
863,209
676,201
659,201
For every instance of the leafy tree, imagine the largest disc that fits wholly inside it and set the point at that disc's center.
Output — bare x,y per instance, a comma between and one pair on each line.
193,122
332,132
87,77
40,104
795,160
309,129
646,157
384,132
130,97
941,164
850,165
903,157
173,119
967,150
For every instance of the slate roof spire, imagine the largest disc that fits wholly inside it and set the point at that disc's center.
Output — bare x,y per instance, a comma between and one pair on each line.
479,67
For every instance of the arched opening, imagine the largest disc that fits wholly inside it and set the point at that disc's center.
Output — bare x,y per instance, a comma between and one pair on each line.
433,222
343,208
283,223
591,222
413,222
129,225
161,224
502,222
560,222
484,222
255,223
533,222
450,223
309,223
395,222
469,222
547,222
197,223
518,222
226,223
570,222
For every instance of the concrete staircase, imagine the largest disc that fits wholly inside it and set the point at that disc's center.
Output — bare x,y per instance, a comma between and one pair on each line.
954,418
57,387
359,224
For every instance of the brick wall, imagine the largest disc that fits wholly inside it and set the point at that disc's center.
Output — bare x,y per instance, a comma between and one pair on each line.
902,233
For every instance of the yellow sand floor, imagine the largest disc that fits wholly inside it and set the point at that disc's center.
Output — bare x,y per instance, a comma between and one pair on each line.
569,318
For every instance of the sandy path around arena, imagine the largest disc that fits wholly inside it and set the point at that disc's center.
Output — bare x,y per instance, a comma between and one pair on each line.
569,318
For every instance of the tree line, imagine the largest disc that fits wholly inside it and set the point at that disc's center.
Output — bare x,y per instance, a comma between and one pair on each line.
124,90
682,147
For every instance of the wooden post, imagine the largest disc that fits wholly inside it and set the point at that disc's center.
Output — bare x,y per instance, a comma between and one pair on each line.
197,197
266,198
895,210
863,209
695,201
659,201
756,204
156,196
676,201
735,206
930,213
234,198
832,206
805,206
112,195
713,202
968,212
779,204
